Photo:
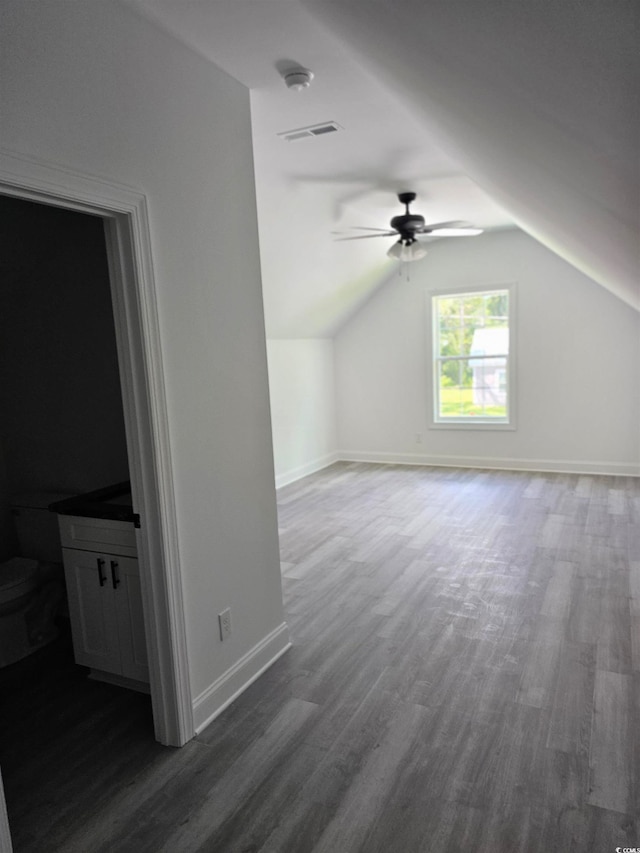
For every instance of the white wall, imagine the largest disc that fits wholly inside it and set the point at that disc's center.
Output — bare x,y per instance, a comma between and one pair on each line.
578,366
95,88
301,383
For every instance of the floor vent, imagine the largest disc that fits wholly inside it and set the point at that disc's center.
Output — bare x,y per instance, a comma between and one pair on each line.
309,132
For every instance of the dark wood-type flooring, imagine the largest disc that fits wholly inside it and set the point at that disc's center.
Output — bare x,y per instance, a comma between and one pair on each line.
465,675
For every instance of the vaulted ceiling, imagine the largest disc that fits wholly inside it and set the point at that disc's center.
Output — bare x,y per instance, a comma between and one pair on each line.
501,114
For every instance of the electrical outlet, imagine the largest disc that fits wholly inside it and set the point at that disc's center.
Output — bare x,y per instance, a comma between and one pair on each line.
224,620
418,438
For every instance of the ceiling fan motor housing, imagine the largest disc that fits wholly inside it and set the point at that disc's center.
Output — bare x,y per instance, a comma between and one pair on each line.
407,224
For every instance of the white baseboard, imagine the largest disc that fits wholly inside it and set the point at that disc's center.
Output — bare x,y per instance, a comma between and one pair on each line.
556,466
212,701
304,470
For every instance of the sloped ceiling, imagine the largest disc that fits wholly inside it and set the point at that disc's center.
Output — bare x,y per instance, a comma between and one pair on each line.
503,114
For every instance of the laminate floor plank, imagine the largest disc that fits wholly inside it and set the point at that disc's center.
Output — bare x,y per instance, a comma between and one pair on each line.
465,674
572,708
634,612
614,649
559,591
538,681
611,753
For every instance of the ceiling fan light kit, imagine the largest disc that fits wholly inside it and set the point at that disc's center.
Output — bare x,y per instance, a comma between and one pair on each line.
407,251
409,225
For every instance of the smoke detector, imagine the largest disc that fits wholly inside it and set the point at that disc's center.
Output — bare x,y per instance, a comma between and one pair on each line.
298,79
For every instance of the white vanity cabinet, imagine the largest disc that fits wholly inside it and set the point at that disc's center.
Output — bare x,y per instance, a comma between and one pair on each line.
105,603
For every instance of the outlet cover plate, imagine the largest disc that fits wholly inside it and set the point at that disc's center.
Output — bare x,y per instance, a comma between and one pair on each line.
224,621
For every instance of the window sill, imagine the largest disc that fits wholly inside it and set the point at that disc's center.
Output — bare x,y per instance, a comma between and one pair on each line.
475,425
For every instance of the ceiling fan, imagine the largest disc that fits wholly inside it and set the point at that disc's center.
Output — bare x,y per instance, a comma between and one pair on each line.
409,226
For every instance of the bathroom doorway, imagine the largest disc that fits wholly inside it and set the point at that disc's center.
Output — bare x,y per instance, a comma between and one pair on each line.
62,430
123,216
125,220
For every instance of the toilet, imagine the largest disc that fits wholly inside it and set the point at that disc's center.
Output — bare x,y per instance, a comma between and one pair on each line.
18,580
31,583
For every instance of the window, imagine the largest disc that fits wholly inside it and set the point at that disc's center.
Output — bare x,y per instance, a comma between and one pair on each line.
472,357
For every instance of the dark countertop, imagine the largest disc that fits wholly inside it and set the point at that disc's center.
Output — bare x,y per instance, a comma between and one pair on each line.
113,502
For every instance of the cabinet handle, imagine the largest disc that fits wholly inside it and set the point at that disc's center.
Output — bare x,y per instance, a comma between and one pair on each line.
115,580
101,577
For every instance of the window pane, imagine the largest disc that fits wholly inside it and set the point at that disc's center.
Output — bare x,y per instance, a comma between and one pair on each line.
496,323
474,387
472,326
489,340
471,351
450,339
449,324
473,306
497,305
448,306
489,393
455,381
456,334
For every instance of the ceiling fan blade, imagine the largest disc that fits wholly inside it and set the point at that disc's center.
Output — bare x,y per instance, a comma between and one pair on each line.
454,232
361,228
453,223
367,236
364,228
455,228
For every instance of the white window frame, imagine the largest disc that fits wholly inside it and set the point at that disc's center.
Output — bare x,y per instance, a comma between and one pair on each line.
435,421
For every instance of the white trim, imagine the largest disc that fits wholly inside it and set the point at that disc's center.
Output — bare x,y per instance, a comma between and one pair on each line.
433,420
139,352
474,425
224,690
551,466
5,834
304,470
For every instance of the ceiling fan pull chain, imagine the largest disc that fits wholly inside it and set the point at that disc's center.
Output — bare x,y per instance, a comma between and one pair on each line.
403,267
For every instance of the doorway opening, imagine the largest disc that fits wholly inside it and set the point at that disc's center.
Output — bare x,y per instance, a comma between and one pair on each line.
123,214
62,434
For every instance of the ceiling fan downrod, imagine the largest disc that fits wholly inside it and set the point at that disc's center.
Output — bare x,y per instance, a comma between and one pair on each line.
406,199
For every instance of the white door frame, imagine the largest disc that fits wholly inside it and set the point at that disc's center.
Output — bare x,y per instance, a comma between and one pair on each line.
124,212
5,835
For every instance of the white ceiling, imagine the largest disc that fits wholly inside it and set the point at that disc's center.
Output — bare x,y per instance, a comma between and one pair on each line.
530,100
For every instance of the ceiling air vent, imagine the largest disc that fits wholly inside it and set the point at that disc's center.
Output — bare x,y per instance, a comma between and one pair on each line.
309,132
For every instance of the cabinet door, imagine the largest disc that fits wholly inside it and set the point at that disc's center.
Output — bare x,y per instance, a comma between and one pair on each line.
128,598
98,534
92,611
